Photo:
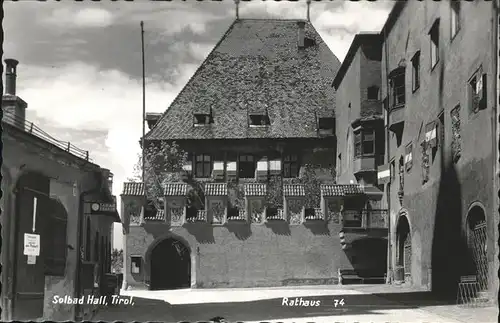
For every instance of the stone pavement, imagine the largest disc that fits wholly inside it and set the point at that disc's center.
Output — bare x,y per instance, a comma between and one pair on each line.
361,303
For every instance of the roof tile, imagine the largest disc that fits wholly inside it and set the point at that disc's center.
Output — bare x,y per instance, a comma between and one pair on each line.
216,189
176,189
294,190
341,189
133,189
256,65
255,189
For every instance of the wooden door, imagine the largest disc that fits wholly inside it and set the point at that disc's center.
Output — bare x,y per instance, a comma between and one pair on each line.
29,279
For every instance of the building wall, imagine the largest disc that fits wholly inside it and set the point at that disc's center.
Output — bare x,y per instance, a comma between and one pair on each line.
24,154
244,255
437,209
361,74
347,94
247,255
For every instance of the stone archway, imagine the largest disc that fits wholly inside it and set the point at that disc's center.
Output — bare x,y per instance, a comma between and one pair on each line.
170,265
403,249
477,243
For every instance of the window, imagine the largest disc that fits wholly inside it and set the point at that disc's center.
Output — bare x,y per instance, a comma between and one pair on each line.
326,125
393,169
477,91
88,240
455,17
441,130
434,40
415,64
290,166
258,120
373,93
339,163
135,264
202,119
368,141
397,81
246,166
364,142
203,165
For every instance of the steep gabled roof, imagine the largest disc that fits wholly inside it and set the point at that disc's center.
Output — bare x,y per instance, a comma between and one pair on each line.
257,65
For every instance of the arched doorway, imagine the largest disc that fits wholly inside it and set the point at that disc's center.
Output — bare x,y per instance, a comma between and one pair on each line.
170,265
403,253
477,241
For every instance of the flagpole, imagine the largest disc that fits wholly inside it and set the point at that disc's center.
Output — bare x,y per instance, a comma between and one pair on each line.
143,108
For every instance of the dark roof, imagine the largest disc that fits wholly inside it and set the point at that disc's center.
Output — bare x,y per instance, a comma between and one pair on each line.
133,189
256,65
374,52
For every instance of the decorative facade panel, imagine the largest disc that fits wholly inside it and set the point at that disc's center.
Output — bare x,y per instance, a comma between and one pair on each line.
256,210
456,139
295,210
216,210
175,211
425,162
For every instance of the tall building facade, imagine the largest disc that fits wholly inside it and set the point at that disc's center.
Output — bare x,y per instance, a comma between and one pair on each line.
439,86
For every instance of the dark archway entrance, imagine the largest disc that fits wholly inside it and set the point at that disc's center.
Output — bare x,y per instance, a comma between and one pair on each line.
403,254
170,265
477,241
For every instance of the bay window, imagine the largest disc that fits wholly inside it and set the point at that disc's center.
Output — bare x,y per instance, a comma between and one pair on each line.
364,142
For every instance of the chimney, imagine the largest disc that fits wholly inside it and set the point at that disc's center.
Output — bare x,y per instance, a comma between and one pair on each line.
14,108
152,118
301,35
10,76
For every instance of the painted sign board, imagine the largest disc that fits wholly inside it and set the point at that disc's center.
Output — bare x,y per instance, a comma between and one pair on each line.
31,244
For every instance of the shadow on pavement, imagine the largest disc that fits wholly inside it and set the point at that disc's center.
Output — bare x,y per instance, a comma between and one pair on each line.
268,309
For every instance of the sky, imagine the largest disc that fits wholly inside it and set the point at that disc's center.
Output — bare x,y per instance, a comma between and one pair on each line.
80,62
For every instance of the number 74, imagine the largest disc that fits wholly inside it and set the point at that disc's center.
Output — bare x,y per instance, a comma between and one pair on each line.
338,302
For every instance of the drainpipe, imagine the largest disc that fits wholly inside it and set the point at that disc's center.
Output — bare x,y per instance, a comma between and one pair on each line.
388,149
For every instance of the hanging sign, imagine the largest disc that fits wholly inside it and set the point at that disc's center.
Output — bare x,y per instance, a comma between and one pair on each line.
31,244
102,208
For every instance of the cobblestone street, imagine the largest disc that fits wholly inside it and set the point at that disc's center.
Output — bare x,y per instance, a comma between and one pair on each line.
361,304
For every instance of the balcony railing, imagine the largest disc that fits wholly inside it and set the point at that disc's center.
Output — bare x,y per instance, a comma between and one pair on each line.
36,131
